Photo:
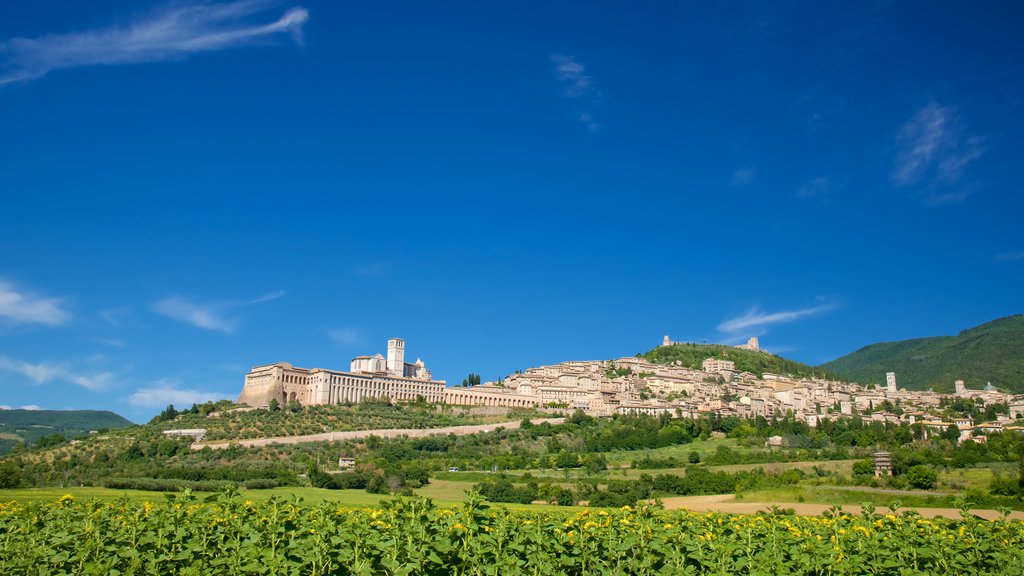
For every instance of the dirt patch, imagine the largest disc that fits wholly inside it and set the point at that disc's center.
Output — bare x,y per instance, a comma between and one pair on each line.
727,503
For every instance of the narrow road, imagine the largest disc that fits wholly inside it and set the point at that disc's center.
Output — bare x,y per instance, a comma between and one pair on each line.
884,490
356,434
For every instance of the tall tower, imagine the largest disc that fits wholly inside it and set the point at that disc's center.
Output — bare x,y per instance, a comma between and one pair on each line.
396,357
666,341
890,382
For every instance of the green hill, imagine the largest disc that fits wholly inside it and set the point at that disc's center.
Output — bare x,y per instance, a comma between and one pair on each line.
691,355
30,425
990,352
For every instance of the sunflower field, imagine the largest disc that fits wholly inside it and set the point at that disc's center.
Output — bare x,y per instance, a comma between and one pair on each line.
225,534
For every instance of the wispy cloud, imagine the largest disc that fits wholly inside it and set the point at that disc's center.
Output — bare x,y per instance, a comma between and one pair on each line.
117,315
346,336
172,32
1008,256
816,187
164,392
757,320
577,86
946,198
24,308
208,315
374,269
933,151
39,373
44,372
742,177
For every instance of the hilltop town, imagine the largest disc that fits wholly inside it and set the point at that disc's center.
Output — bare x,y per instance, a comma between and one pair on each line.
632,385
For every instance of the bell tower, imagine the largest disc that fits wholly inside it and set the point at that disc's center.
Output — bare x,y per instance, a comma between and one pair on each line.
396,357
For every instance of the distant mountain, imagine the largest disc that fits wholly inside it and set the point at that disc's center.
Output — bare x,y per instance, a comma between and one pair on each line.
691,356
31,425
992,352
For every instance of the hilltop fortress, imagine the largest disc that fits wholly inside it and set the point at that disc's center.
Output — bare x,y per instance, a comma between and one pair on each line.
627,385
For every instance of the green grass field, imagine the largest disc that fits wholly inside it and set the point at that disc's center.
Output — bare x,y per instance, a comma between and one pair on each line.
450,489
443,492
680,451
346,497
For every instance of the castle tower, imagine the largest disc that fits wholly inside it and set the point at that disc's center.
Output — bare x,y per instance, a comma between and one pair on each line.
890,382
396,357
753,344
665,341
959,388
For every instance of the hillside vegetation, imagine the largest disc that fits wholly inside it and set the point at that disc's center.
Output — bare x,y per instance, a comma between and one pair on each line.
990,352
228,423
691,355
29,426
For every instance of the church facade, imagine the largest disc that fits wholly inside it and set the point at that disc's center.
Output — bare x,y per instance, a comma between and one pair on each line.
368,377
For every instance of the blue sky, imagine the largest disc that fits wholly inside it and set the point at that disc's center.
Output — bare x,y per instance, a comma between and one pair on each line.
190,189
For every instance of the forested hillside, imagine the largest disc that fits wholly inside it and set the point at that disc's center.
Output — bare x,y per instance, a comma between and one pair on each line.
992,352
691,355
30,426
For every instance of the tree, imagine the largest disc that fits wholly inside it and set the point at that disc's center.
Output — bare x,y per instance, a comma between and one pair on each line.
865,467
952,433
471,380
693,458
10,474
274,406
922,477
55,439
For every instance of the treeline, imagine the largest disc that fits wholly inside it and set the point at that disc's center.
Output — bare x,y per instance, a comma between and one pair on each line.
696,481
391,480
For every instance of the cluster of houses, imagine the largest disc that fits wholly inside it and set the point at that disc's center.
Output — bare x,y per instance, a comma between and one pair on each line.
630,385
634,385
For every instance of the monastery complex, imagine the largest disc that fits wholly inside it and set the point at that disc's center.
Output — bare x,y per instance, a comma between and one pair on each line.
603,388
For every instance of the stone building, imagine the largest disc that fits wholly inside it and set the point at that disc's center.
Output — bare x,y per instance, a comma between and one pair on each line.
714,365
369,377
752,344
890,383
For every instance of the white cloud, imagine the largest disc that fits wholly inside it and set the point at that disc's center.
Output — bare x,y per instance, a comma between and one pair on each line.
207,315
266,297
578,83
29,407
117,315
24,308
933,151
346,336
814,188
4,407
39,373
577,86
95,382
742,177
172,32
758,320
946,198
45,372
164,392
1008,256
